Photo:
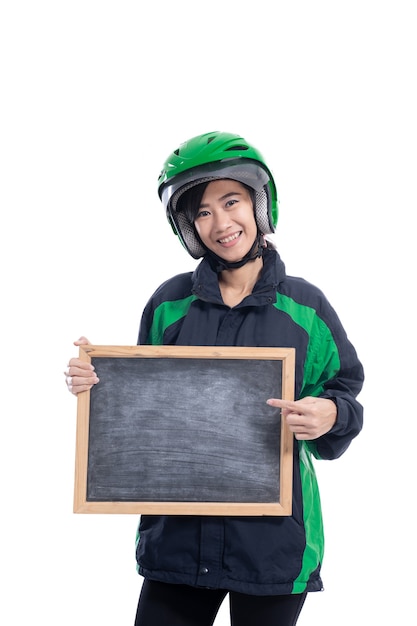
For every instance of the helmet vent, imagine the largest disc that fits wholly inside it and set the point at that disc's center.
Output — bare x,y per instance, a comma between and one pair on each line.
239,148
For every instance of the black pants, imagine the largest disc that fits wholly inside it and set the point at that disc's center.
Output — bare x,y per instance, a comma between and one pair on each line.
162,604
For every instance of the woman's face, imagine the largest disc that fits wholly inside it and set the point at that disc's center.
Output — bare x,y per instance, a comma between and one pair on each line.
225,220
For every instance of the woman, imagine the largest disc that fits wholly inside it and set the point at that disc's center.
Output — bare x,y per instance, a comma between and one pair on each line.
221,201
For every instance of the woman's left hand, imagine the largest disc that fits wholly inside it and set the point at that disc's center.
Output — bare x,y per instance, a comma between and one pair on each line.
308,418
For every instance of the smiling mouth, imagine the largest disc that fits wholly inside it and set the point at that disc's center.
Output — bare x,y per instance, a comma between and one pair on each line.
230,238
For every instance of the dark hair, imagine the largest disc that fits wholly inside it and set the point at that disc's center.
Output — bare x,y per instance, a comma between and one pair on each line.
189,202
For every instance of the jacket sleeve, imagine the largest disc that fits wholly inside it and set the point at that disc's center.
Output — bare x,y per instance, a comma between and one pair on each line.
337,374
146,323
348,425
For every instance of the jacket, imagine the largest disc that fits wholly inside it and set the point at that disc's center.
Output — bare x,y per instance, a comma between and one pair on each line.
267,555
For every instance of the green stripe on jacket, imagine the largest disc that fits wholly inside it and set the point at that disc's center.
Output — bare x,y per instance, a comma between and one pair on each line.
165,315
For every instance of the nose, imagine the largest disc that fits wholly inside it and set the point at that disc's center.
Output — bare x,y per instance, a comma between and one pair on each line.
221,219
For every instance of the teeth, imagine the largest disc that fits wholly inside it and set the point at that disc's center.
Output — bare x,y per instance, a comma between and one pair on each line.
231,238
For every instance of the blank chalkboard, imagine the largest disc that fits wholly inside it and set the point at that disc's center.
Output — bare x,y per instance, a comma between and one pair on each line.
184,430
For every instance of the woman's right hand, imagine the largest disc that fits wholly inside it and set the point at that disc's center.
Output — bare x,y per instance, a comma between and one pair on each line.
80,375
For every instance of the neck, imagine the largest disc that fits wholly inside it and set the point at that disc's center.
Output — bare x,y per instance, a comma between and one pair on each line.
236,284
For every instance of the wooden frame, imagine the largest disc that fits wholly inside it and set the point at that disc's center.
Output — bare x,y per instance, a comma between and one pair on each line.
109,437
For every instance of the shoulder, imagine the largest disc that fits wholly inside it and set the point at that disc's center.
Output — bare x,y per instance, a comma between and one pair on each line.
175,288
301,289
307,296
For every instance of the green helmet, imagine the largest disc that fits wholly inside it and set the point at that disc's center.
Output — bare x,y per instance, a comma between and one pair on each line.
209,157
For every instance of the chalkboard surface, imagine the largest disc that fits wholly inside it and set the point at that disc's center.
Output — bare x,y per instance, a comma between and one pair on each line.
166,430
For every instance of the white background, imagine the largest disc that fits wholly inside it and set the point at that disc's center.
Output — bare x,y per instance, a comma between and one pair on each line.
94,96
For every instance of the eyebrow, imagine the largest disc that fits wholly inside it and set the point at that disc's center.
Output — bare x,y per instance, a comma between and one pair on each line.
226,195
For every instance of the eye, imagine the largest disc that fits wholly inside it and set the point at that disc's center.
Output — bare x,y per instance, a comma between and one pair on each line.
231,202
202,213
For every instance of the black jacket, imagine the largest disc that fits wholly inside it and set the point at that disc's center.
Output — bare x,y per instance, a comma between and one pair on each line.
255,555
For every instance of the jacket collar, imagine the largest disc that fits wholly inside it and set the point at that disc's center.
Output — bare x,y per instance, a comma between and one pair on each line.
206,284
